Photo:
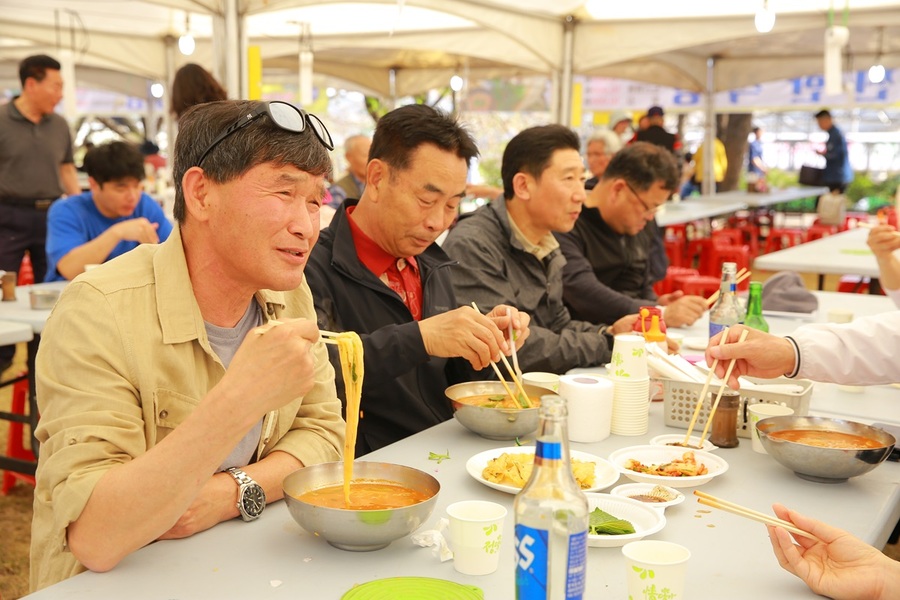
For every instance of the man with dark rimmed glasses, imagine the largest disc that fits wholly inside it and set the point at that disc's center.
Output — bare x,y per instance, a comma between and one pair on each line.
607,272
165,407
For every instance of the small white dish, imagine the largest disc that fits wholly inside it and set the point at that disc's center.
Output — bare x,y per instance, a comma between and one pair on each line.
696,343
645,519
667,439
658,455
630,490
605,474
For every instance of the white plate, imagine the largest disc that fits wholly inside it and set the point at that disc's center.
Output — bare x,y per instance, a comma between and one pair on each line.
696,343
604,473
656,455
646,520
627,490
668,438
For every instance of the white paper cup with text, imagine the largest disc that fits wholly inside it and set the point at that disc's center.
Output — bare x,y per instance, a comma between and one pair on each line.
548,381
629,357
590,402
476,528
655,569
763,410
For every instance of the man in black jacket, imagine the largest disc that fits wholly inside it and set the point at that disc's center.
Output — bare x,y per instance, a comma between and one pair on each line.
377,270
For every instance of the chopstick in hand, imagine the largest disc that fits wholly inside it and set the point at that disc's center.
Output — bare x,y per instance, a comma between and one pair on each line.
709,376
512,342
749,513
741,276
325,339
715,405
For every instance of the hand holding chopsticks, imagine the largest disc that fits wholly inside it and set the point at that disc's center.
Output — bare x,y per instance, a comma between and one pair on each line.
521,402
737,509
741,276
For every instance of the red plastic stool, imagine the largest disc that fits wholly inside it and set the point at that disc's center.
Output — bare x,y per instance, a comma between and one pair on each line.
667,285
697,285
676,250
817,231
853,284
783,237
701,250
15,448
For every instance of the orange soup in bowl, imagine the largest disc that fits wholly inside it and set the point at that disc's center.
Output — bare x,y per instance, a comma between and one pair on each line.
365,495
826,439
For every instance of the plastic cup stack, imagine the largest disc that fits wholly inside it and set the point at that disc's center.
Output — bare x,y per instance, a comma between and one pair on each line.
631,380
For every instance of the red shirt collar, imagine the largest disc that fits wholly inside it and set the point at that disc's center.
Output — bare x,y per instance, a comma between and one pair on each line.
370,254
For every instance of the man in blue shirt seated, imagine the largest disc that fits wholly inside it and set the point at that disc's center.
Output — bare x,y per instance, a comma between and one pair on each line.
111,219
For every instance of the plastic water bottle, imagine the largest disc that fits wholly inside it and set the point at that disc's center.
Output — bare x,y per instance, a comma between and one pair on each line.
551,515
727,311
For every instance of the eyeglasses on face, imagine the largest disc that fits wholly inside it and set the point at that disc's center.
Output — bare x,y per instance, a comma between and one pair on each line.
284,115
648,210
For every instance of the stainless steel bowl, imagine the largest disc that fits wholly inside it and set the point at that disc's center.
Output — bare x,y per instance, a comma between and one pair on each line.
494,423
825,465
359,530
43,299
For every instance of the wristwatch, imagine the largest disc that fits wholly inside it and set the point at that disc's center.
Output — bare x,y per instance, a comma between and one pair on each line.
251,497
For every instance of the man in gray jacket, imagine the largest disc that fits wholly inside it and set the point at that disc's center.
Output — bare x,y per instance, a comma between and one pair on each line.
508,255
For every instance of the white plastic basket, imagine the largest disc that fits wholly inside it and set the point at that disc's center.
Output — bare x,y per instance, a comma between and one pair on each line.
680,399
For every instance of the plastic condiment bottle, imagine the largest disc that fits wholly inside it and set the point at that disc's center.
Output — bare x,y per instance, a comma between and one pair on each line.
755,318
551,514
724,425
655,334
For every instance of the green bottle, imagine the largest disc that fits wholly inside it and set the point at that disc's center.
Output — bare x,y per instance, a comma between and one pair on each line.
755,317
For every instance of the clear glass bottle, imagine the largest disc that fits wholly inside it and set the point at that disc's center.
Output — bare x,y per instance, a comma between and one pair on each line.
755,318
726,311
551,515
724,425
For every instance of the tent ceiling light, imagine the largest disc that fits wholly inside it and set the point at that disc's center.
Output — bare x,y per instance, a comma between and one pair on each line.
596,8
456,83
186,43
877,71
157,90
764,19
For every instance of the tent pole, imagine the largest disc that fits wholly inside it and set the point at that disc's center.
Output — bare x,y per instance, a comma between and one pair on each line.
232,50
564,110
709,131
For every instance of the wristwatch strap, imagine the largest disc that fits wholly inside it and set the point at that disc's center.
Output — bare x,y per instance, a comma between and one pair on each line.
239,476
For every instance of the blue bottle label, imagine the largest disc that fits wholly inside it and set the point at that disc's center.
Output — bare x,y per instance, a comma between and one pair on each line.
533,562
715,328
548,450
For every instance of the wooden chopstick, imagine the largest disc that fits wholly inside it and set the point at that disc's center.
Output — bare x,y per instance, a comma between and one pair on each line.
867,225
275,323
709,376
512,342
743,511
742,275
515,399
715,405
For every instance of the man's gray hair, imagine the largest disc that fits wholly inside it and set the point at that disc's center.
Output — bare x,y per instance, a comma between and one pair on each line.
609,139
262,141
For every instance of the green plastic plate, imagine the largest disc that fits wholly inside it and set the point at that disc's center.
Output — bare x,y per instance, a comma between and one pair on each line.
413,588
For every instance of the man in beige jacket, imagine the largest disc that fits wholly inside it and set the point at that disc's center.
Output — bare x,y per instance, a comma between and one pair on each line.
165,407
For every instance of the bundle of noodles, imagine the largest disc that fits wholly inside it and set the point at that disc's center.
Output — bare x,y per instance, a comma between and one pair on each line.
350,349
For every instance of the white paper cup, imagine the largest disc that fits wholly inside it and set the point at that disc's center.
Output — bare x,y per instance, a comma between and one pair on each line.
629,357
590,403
655,569
549,381
761,411
476,528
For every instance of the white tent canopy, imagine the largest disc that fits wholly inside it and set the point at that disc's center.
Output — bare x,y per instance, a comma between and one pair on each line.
425,41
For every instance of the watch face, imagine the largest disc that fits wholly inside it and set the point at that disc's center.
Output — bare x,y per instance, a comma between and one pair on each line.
253,500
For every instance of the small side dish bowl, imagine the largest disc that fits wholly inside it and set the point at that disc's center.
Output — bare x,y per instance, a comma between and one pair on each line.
641,491
660,455
494,423
669,439
646,520
43,299
818,463
359,530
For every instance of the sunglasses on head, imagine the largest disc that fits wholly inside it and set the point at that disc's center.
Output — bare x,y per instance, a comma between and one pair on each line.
287,116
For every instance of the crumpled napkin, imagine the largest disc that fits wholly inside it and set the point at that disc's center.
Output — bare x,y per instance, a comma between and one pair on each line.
435,539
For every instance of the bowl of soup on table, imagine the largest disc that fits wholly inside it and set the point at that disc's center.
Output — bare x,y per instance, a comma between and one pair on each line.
822,449
486,408
387,502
